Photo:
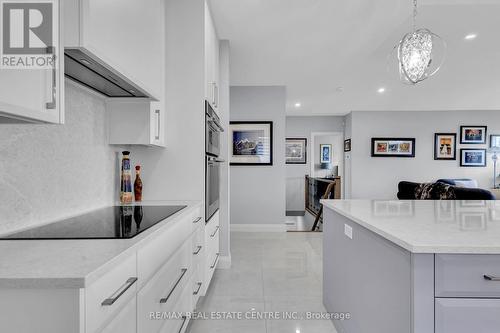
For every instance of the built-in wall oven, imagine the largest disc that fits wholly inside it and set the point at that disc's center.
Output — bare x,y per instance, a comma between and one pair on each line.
213,131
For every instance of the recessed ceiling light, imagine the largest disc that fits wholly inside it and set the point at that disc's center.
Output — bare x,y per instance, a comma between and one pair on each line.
381,90
340,89
298,105
470,36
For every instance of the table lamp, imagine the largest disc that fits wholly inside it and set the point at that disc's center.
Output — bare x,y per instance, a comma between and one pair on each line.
495,151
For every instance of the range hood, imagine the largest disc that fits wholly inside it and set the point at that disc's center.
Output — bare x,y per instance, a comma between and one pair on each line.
85,68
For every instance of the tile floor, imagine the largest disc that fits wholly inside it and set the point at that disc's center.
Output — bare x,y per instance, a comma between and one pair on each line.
271,272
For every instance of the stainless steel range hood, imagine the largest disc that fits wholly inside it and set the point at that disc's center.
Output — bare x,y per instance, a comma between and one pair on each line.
85,68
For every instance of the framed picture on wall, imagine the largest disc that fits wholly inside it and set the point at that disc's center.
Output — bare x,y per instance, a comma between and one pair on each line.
473,134
252,142
393,147
296,151
445,146
494,141
325,153
472,157
347,145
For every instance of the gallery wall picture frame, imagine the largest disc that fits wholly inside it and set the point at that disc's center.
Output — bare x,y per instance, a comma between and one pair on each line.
445,146
325,151
472,157
347,145
494,141
251,143
393,147
296,151
473,135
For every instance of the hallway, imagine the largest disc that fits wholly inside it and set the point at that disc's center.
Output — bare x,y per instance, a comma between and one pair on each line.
271,273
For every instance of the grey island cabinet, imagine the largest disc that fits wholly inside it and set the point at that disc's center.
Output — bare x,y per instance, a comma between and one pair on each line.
412,266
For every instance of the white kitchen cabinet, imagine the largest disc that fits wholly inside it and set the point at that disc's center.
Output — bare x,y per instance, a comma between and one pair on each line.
35,95
212,230
127,35
125,321
136,122
157,275
211,60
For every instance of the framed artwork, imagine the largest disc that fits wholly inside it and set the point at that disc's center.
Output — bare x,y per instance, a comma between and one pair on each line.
494,141
252,142
445,146
325,153
393,147
473,221
473,157
347,145
296,151
473,134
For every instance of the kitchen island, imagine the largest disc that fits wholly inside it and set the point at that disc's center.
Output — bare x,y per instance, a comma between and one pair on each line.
412,266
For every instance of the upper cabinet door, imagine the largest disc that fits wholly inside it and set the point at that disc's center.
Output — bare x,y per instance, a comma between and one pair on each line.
27,94
211,60
128,35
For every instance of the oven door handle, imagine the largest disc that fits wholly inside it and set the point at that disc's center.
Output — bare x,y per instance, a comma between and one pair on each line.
215,160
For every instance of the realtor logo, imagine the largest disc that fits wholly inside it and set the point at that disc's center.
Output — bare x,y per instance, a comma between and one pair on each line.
29,34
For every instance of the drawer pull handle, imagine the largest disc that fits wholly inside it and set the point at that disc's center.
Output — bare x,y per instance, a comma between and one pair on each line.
198,249
184,318
491,278
215,261
197,220
165,299
215,232
111,300
198,290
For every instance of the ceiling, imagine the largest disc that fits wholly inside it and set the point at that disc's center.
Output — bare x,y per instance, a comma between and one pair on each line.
333,56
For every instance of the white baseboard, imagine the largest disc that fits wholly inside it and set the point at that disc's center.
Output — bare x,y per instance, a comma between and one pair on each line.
224,262
258,227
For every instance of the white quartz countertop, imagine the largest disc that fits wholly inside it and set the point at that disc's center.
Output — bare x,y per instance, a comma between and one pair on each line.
71,263
424,226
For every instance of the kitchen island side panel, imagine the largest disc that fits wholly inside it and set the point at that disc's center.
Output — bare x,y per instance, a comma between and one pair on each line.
366,276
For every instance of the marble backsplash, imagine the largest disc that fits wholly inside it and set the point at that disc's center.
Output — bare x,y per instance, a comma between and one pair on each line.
48,172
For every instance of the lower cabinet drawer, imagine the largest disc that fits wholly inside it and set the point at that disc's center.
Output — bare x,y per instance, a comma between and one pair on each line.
125,321
182,310
467,315
464,275
164,290
109,294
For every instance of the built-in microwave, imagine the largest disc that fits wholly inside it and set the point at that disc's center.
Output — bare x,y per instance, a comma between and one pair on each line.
213,129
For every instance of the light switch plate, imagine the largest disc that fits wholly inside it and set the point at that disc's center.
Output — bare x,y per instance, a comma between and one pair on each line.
348,231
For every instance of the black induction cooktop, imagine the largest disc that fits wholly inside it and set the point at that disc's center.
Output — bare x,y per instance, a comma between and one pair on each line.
115,222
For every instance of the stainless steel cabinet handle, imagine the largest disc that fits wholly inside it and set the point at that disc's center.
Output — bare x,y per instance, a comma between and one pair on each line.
197,220
157,136
113,298
215,232
215,261
198,290
184,318
216,95
491,278
198,249
183,272
53,103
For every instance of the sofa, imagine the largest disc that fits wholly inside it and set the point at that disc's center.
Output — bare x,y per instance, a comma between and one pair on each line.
442,190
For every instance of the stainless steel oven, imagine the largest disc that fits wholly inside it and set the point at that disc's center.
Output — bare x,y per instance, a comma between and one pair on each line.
212,186
213,129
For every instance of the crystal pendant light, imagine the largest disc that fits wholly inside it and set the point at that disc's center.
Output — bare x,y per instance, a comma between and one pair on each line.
418,54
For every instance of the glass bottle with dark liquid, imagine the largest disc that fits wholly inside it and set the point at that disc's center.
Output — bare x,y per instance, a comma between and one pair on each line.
138,184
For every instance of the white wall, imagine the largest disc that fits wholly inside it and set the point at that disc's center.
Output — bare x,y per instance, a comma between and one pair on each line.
258,192
302,127
379,177
48,172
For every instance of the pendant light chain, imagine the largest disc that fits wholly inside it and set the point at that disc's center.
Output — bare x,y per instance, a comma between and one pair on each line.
415,13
